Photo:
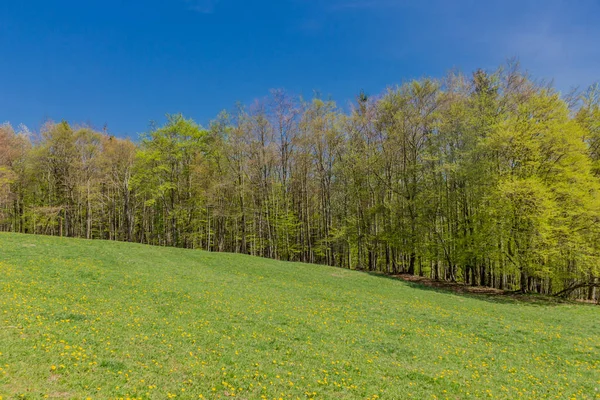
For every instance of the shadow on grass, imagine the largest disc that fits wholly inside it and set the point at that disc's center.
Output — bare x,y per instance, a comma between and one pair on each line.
478,293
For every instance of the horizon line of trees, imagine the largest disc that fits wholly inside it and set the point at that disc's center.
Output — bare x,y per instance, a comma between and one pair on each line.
490,179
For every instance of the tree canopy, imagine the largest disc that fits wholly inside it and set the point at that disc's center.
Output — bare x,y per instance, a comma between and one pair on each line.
488,179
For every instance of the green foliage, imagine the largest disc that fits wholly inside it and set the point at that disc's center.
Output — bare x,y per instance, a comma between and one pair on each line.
488,179
163,175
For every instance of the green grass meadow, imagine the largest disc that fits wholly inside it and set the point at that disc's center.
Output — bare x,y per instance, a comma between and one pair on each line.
103,320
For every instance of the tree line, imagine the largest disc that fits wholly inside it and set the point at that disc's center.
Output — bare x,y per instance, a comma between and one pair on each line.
489,179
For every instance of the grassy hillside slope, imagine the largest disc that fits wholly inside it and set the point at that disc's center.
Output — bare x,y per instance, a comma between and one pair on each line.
115,320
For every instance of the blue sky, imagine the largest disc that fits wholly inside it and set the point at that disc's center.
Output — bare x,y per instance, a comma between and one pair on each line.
125,63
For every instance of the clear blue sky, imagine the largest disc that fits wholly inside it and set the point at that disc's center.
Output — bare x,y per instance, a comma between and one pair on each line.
125,63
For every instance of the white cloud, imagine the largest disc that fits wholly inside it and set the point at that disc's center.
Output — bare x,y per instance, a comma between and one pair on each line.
554,46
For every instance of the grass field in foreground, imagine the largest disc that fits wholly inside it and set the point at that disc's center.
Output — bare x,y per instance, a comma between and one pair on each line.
105,320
